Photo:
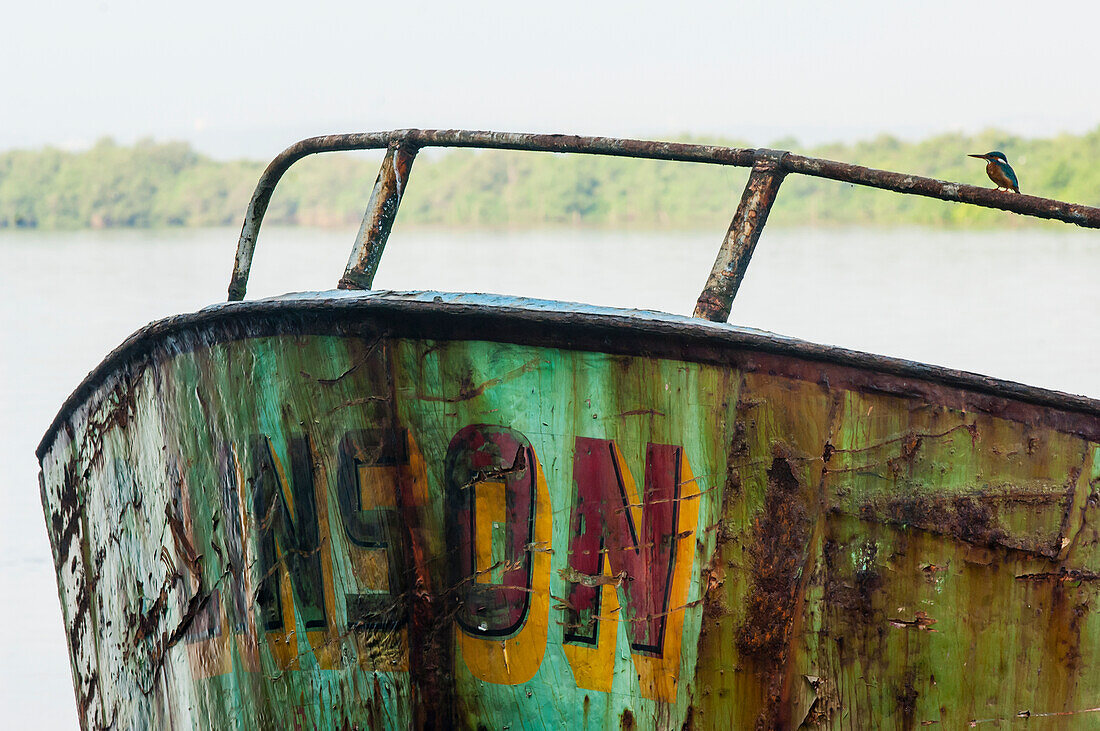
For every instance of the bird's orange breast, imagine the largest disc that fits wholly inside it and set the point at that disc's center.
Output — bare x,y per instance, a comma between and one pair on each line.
993,170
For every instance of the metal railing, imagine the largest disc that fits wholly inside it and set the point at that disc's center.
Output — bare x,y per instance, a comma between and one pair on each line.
769,167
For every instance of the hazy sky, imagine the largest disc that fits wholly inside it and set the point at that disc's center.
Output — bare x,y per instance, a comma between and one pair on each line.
248,78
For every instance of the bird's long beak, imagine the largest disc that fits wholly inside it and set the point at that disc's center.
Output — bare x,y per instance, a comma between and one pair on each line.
980,157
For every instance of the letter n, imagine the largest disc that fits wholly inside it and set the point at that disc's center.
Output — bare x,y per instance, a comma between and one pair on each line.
630,557
285,512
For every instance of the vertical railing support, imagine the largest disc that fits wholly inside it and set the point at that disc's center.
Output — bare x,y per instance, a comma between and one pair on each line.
729,268
378,219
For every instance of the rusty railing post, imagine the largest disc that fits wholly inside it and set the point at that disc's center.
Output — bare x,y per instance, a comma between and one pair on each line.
744,231
379,217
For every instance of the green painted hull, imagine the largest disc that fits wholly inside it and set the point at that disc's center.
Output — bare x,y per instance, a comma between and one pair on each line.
380,511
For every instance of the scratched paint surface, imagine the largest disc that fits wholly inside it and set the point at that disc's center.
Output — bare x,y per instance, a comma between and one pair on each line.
368,529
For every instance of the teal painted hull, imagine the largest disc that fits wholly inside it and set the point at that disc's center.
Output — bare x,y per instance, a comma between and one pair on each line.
375,511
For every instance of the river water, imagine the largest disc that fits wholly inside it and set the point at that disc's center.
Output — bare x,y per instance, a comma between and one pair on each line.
1021,304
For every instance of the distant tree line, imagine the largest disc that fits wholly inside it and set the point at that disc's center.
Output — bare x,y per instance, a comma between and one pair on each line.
169,184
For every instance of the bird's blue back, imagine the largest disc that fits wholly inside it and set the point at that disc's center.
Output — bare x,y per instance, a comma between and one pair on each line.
1001,162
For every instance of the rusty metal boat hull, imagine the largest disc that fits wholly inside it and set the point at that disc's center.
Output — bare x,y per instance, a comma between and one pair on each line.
380,510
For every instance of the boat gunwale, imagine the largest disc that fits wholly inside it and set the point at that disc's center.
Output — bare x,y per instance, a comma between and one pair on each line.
567,319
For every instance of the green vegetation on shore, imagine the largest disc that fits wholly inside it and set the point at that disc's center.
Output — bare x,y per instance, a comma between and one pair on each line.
169,184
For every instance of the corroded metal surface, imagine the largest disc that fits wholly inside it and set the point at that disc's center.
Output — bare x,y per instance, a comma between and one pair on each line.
740,241
411,140
378,220
376,511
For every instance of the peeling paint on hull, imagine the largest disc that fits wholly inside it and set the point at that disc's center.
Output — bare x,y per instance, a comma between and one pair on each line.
383,511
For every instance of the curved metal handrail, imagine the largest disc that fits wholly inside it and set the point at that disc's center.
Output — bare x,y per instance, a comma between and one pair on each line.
769,168
416,139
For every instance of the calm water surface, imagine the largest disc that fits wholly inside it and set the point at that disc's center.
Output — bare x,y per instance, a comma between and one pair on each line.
1021,305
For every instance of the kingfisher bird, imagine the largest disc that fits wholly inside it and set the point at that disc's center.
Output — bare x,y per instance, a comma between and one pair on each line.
999,171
